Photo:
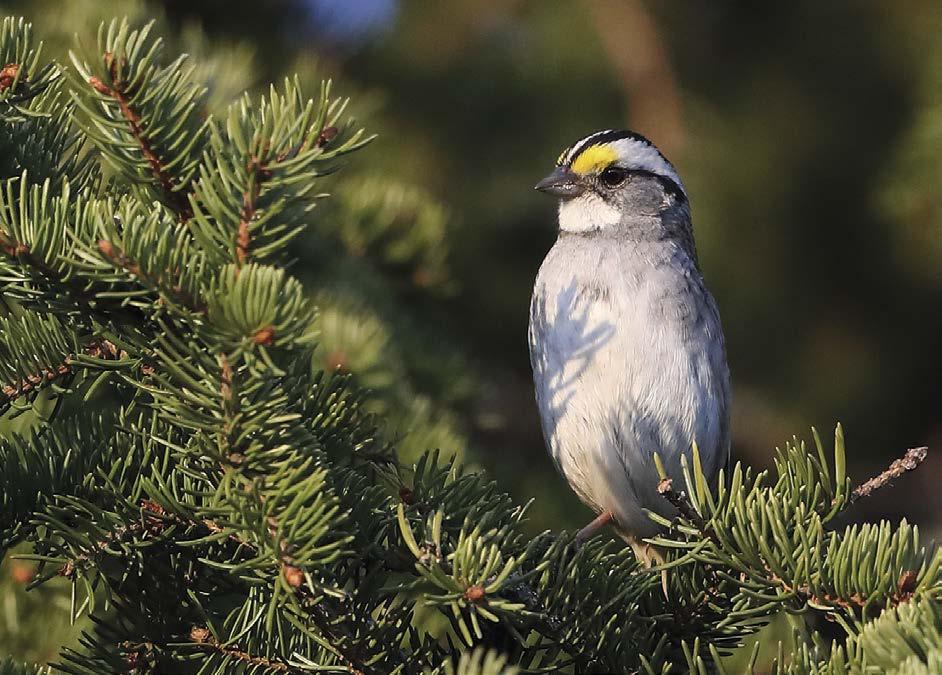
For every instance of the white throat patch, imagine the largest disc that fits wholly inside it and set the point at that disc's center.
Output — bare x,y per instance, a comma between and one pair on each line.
587,213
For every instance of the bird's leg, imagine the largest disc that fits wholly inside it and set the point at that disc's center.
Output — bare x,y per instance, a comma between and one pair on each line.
593,528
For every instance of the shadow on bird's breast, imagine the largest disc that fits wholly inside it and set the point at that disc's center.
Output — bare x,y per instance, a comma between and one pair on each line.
567,340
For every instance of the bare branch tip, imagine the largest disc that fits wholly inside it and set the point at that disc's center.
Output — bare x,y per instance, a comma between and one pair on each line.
908,462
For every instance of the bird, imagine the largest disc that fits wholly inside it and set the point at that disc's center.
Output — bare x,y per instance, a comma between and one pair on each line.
625,340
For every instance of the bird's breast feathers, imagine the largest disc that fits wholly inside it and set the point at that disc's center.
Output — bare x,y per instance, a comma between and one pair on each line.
628,361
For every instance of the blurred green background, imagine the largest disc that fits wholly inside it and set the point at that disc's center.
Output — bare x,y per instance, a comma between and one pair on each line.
809,136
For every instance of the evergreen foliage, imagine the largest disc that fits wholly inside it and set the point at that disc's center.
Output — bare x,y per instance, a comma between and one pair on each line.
229,506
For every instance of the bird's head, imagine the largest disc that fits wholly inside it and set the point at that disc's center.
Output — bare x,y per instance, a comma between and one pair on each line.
609,178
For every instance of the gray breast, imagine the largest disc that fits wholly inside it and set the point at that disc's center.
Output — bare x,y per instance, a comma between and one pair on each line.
628,361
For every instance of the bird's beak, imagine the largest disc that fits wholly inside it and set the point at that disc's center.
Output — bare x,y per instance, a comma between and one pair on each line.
562,183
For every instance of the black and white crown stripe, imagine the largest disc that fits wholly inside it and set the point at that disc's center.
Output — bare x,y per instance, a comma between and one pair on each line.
601,138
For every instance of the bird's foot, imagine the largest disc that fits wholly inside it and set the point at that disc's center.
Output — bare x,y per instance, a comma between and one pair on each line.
650,556
593,528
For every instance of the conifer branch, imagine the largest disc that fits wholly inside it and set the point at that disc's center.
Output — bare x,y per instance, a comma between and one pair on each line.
119,93
905,587
324,619
202,637
155,519
806,595
22,77
20,252
754,566
76,288
256,173
158,283
31,382
97,349
147,119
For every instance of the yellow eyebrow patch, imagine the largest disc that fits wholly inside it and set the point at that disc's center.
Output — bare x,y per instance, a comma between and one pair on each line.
593,158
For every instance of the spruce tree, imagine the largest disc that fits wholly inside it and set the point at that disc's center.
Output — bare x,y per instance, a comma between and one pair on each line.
218,502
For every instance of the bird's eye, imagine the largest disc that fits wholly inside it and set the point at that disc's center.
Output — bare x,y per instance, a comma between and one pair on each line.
613,176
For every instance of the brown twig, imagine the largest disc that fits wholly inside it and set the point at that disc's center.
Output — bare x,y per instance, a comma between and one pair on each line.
679,501
78,288
806,595
908,462
202,637
225,379
122,260
243,237
326,135
99,349
905,587
23,254
34,380
257,173
174,197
